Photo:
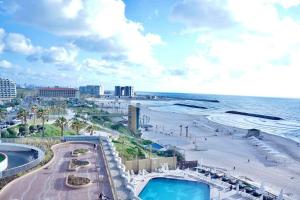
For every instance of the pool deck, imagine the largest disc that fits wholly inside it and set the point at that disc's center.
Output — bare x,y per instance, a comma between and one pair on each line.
218,189
49,182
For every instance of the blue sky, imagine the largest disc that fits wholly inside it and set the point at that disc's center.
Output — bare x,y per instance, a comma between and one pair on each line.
248,47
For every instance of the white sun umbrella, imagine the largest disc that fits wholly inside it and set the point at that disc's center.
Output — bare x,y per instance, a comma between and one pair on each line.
262,188
280,196
237,188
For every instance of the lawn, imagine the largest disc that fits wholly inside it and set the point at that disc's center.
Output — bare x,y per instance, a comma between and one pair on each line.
131,148
53,131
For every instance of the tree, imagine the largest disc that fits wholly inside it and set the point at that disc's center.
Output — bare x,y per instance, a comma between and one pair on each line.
22,114
2,114
23,129
77,125
91,128
43,114
32,128
61,122
34,109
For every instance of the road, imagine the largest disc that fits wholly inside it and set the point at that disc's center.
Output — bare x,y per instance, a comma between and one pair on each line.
49,182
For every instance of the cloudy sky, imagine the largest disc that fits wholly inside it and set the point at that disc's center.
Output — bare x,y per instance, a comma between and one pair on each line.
241,47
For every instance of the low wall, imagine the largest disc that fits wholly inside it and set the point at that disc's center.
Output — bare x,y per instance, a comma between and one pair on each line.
3,163
150,164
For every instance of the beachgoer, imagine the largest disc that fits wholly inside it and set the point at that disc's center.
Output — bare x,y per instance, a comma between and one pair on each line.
233,167
101,196
248,160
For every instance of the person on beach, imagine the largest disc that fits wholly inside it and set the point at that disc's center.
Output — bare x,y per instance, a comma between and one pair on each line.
248,160
233,167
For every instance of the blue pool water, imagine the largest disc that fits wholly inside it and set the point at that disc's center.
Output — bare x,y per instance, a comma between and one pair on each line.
16,159
173,189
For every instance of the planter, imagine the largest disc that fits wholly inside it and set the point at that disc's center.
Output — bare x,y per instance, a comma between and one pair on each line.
77,182
3,162
75,164
78,152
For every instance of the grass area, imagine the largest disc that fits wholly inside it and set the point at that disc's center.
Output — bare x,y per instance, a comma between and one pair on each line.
53,131
1,158
80,151
131,148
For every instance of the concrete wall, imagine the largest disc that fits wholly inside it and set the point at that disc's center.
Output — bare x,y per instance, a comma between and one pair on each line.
150,164
3,163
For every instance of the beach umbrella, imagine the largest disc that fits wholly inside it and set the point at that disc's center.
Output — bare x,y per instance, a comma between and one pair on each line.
237,188
280,196
261,197
262,189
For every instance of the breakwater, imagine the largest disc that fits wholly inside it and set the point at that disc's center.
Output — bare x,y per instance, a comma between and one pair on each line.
190,106
254,115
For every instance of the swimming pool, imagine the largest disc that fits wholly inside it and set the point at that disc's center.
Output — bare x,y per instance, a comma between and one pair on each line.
174,189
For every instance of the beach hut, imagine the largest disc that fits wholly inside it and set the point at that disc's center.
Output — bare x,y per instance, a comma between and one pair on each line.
253,133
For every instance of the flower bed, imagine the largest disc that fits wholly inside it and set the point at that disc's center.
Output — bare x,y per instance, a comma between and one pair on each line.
77,182
76,164
78,152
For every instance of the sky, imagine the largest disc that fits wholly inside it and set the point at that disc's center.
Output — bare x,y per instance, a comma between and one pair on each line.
234,47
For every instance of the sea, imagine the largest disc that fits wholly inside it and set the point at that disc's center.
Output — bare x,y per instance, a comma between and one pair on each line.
286,108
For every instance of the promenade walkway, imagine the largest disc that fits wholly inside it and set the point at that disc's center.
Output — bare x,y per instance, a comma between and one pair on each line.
49,182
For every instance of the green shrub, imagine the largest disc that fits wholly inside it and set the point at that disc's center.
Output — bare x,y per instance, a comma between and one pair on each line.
12,133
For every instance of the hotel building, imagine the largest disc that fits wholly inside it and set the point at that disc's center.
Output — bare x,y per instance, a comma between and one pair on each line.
8,89
58,92
92,90
124,91
133,118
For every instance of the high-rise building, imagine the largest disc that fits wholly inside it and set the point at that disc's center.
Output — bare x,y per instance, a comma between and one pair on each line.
92,90
133,118
8,89
58,92
124,91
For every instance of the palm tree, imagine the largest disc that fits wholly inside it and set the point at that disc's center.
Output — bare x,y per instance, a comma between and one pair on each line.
90,129
77,125
34,109
43,114
22,114
61,122
2,114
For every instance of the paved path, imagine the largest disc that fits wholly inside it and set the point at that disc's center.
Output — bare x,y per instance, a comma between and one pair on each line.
49,183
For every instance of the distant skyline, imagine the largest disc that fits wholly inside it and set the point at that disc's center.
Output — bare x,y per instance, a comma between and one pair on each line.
233,47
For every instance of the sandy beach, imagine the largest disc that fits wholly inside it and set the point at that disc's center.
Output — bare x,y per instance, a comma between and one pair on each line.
226,151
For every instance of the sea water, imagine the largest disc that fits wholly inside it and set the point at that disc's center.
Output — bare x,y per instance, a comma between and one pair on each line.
287,109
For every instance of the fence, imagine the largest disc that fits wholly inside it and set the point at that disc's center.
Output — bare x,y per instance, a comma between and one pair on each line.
150,164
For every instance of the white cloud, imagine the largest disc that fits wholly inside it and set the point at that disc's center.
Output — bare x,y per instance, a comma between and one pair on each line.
5,64
60,54
18,43
257,57
92,22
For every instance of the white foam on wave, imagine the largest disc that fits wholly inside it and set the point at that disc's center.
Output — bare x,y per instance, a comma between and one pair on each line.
282,128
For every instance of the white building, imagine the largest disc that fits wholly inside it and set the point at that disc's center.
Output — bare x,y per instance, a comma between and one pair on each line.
8,89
